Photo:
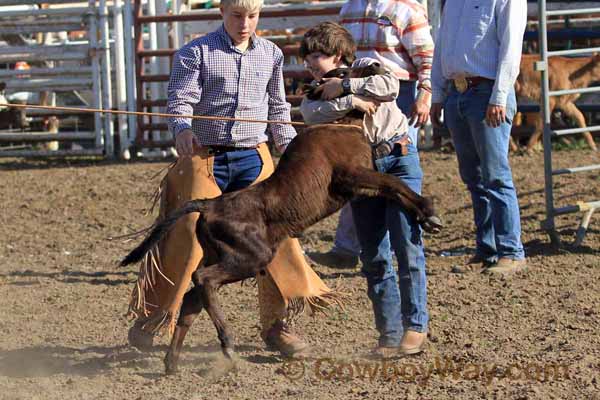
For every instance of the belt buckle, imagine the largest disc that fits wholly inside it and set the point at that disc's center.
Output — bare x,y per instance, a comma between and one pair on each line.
461,84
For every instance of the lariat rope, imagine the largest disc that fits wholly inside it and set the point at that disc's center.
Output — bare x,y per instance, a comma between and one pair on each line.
141,113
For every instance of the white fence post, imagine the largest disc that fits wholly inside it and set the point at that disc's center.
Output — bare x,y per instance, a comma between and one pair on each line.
106,80
94,51
121,90
130,68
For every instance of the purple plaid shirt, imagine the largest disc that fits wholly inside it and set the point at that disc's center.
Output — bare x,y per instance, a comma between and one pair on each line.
210,76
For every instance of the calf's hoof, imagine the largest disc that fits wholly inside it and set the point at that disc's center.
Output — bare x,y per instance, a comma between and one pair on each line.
139,338
170,364
228,352
432,224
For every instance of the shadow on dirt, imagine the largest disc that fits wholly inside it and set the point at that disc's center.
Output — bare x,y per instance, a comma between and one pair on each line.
46,361
533,248
538,247
29,277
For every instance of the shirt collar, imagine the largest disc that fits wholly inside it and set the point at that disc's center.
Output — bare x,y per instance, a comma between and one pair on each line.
225,36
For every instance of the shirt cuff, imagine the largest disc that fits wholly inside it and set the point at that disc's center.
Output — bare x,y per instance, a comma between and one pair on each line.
346,102
177,128
357,85
426,83
499,99
283,135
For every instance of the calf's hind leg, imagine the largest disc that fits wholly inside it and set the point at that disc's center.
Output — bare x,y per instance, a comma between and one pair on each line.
368,182
210,279
191,307
203,295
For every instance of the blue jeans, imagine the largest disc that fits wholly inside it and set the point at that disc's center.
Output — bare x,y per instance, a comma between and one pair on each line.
236,170
383,225
482,153
346,240
405,100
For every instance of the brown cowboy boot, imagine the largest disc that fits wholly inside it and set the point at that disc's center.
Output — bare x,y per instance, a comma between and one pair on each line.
385,352
276,334
475,263
413,342
281,338
506,266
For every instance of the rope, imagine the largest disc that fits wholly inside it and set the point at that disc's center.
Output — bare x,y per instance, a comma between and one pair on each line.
205,117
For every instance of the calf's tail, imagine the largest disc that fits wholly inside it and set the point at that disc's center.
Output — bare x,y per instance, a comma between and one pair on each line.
160,229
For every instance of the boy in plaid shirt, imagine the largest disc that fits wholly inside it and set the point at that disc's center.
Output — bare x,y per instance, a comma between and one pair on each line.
231,73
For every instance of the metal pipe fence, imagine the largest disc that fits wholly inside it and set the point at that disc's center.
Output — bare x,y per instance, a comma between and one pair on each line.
55,67
586,206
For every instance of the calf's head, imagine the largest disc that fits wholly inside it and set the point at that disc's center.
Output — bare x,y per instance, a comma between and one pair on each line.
314,90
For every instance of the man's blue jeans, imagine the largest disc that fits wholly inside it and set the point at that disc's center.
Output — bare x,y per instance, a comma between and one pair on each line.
236,170
482,153
383,225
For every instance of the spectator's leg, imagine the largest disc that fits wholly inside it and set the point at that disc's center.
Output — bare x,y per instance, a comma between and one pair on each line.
405,101
469,165
491,145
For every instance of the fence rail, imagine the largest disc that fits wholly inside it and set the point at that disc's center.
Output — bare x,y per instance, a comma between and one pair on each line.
551,210
66,67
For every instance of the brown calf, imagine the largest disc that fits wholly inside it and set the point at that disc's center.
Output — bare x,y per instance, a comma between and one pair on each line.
564,73
322,169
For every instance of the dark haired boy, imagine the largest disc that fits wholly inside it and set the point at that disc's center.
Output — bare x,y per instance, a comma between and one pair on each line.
400,310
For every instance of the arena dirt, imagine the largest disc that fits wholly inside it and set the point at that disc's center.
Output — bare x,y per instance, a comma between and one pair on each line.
63,299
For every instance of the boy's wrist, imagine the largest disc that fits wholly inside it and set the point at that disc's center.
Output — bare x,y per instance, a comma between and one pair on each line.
425,84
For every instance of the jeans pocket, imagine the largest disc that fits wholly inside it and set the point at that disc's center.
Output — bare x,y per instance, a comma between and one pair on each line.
510,114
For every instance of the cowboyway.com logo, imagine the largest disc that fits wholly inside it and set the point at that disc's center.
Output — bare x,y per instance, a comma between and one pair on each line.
332,369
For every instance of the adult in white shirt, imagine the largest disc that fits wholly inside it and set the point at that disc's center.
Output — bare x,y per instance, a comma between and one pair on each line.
475,65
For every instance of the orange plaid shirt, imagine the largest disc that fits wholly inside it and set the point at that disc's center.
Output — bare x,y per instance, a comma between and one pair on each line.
394,32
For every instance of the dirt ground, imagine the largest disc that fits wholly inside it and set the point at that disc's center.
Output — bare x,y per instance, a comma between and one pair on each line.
63,299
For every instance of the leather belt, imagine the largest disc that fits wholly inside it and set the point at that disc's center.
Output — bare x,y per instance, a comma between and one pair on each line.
466,83
218,149
385,147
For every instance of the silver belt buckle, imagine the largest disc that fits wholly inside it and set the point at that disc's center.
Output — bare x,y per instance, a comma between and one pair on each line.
461,84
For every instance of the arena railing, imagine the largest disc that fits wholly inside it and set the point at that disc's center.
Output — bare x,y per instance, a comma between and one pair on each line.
588,207
53,69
